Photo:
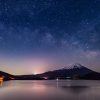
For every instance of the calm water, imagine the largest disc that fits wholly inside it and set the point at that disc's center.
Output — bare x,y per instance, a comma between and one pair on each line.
50,90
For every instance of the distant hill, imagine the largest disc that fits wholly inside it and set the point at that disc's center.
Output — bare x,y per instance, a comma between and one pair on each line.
19,77
76,71
6,75
28,77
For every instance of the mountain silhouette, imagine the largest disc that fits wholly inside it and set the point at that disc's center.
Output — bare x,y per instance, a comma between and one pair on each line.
76,71
73,71
6,76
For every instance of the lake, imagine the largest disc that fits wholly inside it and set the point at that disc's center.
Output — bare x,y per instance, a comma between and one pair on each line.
50,90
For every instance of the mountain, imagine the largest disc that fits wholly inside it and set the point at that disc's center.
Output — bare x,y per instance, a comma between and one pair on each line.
6,75
74,71
91,76
28,77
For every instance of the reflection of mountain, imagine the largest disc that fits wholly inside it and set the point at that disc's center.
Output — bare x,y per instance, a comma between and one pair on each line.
76,71
75,89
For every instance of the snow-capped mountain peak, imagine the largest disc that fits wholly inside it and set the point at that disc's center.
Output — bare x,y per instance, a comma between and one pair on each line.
76,65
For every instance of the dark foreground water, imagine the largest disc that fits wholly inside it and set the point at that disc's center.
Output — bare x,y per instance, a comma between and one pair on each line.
50,90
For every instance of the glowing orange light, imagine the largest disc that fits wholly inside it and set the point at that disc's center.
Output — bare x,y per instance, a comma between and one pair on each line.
1,80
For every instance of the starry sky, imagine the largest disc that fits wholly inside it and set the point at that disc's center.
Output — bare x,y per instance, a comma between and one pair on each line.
41,35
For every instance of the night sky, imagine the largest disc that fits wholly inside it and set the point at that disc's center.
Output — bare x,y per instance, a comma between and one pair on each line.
41,35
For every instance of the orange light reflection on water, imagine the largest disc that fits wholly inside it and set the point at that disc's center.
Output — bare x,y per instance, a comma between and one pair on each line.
1,83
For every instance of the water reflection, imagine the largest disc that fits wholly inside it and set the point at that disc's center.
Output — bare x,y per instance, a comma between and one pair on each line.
75,89
1,83
50,90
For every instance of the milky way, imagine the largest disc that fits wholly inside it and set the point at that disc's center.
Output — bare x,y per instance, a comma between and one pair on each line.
61,31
